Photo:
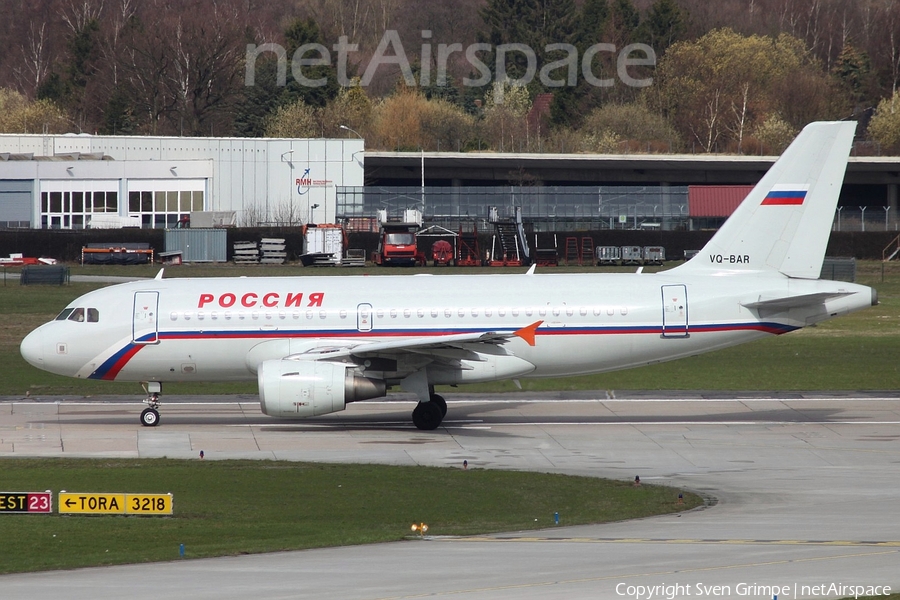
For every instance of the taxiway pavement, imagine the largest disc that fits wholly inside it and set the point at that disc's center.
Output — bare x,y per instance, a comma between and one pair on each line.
804,490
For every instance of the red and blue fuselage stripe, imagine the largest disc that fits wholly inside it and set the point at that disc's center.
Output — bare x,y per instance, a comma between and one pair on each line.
117,361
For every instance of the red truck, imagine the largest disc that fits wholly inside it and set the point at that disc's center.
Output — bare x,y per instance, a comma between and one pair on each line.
397,246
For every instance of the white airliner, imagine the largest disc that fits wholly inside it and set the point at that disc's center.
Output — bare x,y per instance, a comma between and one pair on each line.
317,343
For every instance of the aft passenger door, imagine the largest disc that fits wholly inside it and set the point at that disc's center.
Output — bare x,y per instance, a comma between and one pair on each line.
145,324
675,311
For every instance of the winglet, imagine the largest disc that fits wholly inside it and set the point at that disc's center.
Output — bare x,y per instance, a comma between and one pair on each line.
160,274
527,333
531,269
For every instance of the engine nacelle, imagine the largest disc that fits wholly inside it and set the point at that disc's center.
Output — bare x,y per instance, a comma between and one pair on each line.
292,388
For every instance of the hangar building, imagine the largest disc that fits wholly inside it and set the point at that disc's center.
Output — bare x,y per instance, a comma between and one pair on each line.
63,181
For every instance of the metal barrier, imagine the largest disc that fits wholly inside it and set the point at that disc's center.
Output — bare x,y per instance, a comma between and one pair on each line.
44,275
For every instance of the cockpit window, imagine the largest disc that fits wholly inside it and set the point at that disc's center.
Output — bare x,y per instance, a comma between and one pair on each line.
78,315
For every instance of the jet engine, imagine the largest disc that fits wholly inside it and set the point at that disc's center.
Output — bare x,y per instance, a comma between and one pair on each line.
292,388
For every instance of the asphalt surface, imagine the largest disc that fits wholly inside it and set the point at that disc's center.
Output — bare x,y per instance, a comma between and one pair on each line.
802,493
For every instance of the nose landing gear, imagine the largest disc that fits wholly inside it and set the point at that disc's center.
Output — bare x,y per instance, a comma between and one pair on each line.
150,416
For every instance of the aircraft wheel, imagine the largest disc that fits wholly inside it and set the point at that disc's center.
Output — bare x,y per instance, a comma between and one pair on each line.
427,416
150,417
439,400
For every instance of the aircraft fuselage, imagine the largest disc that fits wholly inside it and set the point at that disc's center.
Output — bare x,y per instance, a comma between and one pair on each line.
220,329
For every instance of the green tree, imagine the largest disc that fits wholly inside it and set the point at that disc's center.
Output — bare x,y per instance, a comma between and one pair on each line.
408,121
299,33
534,23
775,134
297,120
351,108
118,118
266,96
884,127
624,20
854,70
570,102
719,88
67,84
592,23
664,25
20,115
504,125
633,124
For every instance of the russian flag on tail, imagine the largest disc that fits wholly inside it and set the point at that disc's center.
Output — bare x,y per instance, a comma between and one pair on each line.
786,194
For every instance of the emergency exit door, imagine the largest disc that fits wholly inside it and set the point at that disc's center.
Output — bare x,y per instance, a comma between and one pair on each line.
364,317
675,311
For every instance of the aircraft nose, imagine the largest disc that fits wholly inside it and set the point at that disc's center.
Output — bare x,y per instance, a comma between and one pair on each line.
32,348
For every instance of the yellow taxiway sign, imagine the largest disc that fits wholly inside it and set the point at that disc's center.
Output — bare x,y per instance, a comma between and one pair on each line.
148,504
115,504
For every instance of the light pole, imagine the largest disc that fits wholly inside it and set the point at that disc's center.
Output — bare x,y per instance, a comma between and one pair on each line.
353,130
312,207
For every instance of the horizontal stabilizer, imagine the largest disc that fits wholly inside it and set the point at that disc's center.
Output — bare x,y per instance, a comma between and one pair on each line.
795,301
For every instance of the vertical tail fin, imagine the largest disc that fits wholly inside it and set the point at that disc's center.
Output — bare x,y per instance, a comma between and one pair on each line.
784,222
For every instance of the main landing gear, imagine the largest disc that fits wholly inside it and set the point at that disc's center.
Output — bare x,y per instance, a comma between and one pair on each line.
427,416
150,416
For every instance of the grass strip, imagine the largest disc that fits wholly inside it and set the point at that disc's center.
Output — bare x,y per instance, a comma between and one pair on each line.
237,507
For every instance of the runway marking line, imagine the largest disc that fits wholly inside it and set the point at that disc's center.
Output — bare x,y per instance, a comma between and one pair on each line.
736,542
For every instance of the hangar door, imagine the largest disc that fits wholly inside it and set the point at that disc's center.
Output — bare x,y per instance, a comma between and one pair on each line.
16,202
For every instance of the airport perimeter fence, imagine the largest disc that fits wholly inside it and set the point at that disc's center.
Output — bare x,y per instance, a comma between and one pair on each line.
866,218
546,208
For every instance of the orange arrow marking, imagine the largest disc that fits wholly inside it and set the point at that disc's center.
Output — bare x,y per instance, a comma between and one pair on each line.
527,333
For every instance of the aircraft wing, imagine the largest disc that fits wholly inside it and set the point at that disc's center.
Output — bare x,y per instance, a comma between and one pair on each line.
429,345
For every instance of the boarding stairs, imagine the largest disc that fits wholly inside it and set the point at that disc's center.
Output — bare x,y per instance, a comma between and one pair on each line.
505,249
891,251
